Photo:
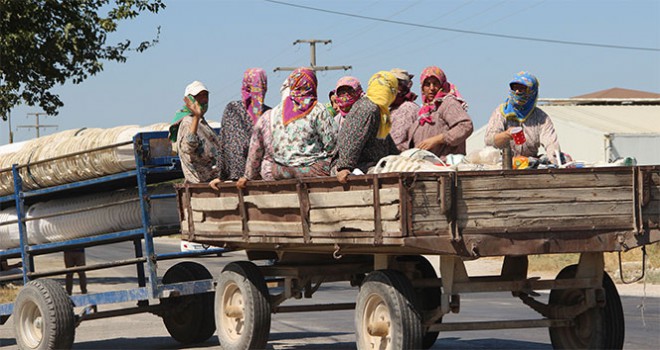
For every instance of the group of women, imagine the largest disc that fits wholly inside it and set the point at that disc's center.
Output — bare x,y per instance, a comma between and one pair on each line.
301,137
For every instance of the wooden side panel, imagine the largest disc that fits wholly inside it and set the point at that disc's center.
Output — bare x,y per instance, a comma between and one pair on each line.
429,215
650,200
333,211
545,202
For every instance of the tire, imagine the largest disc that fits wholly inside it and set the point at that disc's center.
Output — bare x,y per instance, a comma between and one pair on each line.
428,298
242,307
43,316
588,331
385,313
189,319
615,325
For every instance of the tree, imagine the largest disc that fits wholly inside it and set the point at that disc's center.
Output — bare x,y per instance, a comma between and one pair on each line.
49,42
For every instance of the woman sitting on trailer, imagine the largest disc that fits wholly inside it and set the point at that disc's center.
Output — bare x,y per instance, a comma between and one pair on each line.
364,137
304,133
403,110
238,121
197,143
259,163
347,92
443,124
519,110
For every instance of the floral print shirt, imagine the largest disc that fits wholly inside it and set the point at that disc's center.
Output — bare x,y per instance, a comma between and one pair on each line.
199,153
260,154
303,141
235,132
358,146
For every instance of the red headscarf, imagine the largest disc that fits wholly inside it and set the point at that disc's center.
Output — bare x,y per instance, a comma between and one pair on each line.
302,98
253,92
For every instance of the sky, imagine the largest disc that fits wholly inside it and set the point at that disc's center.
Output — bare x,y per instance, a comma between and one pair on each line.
215,41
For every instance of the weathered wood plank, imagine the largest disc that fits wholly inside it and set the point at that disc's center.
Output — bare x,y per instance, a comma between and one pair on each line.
535,181
363,225
272,201
198,216
431,225
253,226
496,197
351,198
530,210
327,215
544,223
214,204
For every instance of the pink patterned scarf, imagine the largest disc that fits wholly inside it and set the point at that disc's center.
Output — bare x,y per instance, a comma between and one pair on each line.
346,101
302,97
253,92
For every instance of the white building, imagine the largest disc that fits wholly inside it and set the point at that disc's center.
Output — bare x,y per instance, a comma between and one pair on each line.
602,126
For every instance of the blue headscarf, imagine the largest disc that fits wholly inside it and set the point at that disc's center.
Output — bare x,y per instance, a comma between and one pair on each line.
520,106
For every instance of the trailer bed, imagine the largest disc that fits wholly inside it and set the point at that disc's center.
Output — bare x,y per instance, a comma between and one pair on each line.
467,214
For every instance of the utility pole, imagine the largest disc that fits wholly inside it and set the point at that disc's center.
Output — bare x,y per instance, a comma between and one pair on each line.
36,125
312,46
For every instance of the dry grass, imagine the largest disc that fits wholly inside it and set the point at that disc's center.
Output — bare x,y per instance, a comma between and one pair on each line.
8,294
544,263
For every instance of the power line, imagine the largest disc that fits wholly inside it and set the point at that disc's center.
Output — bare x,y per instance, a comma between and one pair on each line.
472,32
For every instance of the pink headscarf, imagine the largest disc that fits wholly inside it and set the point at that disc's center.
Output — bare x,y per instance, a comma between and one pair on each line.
430,105
302,97
253,92
346,101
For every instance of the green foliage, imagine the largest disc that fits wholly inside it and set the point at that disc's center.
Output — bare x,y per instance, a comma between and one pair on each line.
49,42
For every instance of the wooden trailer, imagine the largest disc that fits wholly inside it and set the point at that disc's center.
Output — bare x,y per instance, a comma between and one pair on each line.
374,230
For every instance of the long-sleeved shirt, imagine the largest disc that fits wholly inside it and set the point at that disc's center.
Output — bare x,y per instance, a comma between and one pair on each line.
538,128
449,119
403,118
235,134
303,141
358,146
260,155
199,153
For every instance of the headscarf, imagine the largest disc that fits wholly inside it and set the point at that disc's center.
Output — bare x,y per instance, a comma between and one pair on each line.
405,84
431,104
180,114
302,97
520,106
346,101
381,90
253,92
329,107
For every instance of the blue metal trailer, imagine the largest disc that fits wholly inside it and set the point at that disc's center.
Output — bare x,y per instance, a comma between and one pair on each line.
43,312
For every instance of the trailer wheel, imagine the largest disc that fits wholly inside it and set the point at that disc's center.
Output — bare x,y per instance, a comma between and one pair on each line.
615,325
386,316
428,298
588,329
189,318
43,316
242,307
613,320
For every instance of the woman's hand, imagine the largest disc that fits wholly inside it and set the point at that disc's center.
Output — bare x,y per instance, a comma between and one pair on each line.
241,183
502,139
214,184
431,142
193,106
342,176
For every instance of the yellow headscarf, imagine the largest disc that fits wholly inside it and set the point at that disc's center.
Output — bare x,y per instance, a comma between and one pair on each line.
382,91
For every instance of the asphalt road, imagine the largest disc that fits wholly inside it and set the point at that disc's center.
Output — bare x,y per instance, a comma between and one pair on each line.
325,330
